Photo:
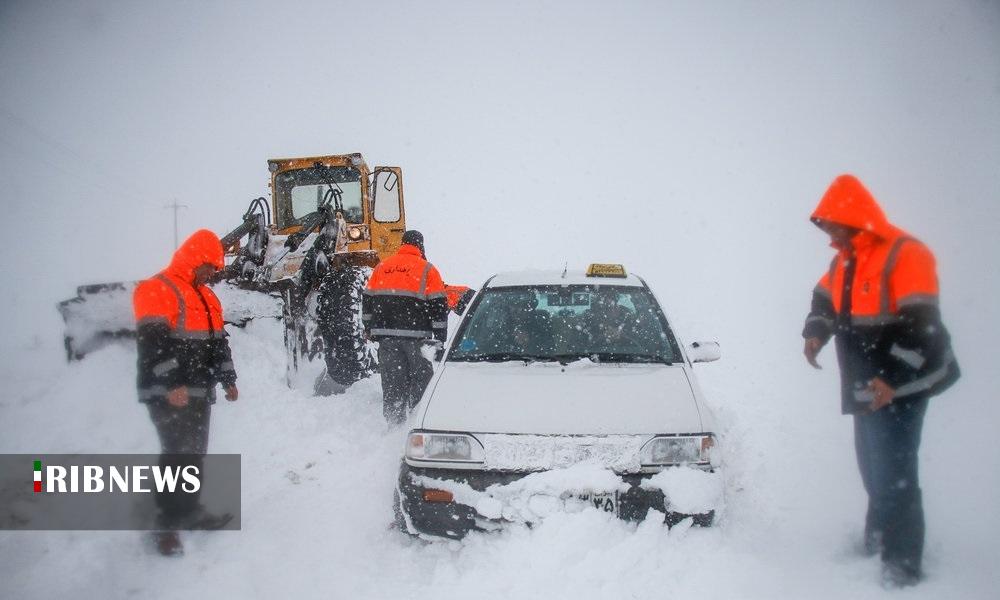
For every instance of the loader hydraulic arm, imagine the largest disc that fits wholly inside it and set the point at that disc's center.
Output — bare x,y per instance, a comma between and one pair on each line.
310,223
234,236
251,222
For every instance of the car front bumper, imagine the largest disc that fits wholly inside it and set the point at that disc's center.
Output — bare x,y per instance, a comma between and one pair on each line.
454,519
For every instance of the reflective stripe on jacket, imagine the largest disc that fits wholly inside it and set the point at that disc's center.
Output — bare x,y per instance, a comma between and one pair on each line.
405,297
880,298
181,340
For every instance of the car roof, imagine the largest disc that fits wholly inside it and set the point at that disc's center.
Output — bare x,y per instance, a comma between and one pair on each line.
532,277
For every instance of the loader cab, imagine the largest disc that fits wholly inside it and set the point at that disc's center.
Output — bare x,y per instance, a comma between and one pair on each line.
371,201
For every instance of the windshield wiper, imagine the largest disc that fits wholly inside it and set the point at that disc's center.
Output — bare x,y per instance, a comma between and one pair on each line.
610,357
336,194
511,357
626,357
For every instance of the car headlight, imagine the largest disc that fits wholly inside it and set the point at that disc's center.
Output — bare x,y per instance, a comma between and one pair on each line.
355,233
677,450
444,447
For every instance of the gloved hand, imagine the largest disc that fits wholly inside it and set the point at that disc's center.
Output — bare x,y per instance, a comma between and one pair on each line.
812,348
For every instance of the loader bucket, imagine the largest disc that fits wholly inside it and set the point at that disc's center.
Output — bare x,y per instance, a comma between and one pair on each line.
102,313
99,315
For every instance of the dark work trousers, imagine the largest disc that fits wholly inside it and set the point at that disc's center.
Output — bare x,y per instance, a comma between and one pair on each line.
183,441
887,442
405,374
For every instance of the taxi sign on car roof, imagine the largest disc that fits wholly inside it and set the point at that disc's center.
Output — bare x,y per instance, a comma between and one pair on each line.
606,270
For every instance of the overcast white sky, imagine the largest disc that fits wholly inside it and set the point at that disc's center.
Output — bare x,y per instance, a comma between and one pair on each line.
689,140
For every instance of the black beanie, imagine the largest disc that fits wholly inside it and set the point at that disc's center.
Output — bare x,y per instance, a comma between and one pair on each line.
414,238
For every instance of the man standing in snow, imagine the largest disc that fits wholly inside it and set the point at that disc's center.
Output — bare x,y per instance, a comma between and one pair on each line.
404,307
880,300
183,353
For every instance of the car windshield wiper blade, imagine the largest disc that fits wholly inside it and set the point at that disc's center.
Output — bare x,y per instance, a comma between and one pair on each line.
516,356
502,357
568,358
632,357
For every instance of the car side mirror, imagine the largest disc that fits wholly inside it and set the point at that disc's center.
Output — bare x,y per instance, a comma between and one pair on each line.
704,351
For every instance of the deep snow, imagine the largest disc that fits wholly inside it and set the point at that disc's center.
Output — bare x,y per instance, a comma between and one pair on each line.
318,475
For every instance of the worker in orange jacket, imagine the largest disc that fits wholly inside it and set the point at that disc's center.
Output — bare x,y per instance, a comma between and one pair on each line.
879,299
183,354
404,309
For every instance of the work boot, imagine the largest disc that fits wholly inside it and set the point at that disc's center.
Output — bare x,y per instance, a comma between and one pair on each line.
168,543
202,519
328,386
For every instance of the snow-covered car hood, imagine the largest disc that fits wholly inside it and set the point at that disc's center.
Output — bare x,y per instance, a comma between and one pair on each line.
551,399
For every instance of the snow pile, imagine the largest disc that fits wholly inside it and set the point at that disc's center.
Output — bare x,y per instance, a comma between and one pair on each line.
537,452
687,490
539,495
535,496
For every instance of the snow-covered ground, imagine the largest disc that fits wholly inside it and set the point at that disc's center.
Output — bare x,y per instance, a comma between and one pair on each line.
318,475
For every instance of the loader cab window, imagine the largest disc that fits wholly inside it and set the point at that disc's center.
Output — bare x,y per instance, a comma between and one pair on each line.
386,197
301,191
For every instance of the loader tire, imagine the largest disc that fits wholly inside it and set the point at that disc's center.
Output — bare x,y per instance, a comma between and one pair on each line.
349,357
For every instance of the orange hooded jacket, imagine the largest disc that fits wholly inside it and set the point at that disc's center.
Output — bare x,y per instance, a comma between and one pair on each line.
180,327
887,329
893,269
405,297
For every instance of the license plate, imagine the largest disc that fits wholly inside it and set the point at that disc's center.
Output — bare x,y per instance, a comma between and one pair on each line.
604,502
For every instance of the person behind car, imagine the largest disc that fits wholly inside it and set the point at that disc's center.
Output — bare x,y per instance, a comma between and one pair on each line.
879,299
405,307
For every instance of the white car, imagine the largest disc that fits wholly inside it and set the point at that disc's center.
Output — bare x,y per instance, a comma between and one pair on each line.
560,391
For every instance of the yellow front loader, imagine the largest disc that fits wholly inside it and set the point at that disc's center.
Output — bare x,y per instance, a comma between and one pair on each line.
303,257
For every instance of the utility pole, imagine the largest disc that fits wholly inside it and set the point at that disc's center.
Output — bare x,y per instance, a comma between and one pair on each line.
176,207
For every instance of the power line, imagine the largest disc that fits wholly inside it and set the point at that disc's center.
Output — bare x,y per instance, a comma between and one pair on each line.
176,207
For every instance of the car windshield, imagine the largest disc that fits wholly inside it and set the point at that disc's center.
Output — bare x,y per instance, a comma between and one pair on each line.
301,191
563,323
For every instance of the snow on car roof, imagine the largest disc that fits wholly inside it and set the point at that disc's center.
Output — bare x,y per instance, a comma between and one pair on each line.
532,277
